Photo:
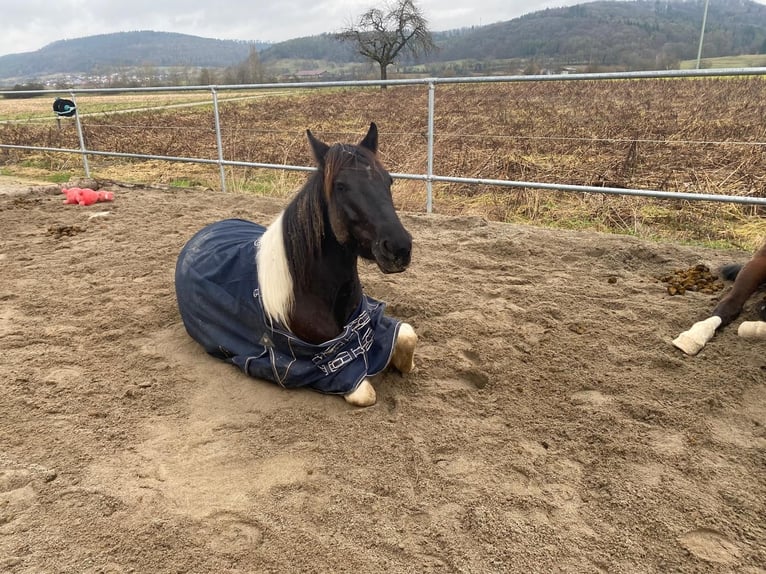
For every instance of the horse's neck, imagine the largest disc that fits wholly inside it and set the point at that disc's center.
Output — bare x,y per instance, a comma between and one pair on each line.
315,300
327,298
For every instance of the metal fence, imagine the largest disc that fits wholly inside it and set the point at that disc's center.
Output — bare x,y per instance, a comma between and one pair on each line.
429,177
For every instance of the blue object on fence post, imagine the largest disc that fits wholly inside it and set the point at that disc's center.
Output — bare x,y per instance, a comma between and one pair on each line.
64,108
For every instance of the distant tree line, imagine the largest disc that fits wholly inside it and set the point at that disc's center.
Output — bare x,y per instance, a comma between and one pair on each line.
23,88
601,35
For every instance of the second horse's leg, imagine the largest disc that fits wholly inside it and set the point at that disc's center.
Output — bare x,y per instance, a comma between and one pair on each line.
752,276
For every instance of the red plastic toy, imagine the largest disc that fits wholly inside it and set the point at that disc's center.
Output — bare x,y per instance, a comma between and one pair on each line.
85,196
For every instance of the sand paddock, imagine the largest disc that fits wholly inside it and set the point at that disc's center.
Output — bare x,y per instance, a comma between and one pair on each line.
549,426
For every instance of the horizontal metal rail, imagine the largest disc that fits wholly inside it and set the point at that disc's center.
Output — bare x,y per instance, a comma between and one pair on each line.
677,195
165,158
673,195
429,178
653,74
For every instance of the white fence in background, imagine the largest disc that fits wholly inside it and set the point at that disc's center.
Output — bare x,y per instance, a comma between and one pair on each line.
429,177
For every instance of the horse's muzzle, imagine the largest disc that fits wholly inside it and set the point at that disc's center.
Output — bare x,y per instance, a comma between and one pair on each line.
393,256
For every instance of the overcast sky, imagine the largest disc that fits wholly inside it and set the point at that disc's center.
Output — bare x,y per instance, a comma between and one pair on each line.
27,25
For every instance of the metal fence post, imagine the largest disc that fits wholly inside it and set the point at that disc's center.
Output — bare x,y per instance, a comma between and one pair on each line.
218,141
430,167
80,136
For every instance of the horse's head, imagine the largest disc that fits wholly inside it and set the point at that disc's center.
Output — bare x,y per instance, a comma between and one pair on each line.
360,209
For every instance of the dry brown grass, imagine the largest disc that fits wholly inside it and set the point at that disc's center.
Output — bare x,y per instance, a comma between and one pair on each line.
700,135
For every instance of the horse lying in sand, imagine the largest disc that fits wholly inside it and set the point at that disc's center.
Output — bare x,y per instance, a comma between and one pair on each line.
285,303
747,280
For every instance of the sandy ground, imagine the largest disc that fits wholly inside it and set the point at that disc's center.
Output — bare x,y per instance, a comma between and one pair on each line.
549,426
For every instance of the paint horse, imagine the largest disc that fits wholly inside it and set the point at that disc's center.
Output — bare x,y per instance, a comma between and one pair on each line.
285,303
747,280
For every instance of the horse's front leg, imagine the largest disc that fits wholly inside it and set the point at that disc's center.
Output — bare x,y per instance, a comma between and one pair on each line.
403,358
748,280
363,396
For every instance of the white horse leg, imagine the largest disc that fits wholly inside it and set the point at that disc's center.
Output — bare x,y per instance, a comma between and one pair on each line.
363,396
404,349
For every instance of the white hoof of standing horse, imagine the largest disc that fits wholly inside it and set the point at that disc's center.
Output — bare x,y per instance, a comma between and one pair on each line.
363,396
404,349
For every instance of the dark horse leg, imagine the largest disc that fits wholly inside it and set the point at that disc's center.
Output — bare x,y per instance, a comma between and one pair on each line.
747,282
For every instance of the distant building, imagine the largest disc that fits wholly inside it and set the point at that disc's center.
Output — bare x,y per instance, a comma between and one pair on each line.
310,74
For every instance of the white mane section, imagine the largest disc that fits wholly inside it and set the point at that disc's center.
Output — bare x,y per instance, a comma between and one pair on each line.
274,279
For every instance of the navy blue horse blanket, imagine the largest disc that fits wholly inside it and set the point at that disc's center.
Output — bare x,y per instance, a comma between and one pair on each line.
217,291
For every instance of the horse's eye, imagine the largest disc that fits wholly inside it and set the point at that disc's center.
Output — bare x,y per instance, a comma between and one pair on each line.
340,186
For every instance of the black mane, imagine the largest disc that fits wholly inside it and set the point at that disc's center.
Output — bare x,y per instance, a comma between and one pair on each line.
304,222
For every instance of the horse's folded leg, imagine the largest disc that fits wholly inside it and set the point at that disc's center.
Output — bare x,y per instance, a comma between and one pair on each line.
363,396
404,349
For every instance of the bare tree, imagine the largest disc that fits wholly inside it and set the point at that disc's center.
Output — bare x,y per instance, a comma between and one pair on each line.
251,71
382,34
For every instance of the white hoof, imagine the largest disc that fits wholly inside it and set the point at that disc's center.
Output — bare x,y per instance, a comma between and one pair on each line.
404,349
692,341
752,330
363,396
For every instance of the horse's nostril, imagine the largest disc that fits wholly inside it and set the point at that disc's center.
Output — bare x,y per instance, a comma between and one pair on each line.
395,251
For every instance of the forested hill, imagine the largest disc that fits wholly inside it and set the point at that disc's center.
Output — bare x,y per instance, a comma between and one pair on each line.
124,49
626,33
633,34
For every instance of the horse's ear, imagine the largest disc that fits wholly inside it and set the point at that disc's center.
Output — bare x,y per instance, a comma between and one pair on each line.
370,141
319,148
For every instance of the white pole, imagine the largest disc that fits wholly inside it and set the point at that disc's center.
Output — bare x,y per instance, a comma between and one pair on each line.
218,141
81,137
702,34
430,164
